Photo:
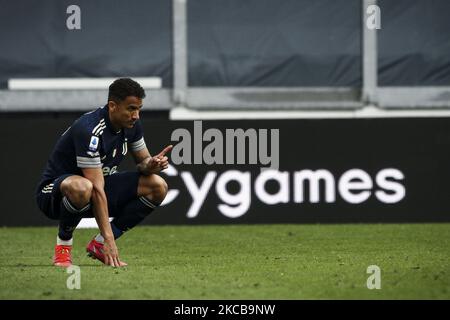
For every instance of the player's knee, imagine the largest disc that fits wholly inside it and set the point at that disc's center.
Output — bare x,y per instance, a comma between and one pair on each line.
79,191
158,189
164,188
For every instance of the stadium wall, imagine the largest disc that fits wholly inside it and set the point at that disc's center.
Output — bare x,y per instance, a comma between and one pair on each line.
330,171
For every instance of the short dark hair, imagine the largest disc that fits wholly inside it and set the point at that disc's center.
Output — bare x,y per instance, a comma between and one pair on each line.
125,87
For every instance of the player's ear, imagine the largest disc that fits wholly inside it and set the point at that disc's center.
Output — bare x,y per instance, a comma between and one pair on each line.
112,105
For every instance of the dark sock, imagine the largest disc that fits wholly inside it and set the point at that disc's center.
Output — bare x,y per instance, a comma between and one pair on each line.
116,231
69,219
133,213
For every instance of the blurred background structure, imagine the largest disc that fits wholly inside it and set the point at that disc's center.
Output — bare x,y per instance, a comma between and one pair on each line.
213,54
234,59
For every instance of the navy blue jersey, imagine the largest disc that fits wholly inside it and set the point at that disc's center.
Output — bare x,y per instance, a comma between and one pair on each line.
92,142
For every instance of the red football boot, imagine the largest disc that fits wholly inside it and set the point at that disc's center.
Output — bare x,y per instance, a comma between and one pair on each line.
63,256
94,250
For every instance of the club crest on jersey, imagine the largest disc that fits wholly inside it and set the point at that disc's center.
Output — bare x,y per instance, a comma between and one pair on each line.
93,145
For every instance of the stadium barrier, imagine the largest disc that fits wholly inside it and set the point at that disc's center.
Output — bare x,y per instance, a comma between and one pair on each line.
328,171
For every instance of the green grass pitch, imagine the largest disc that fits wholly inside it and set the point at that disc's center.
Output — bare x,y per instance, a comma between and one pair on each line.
237,262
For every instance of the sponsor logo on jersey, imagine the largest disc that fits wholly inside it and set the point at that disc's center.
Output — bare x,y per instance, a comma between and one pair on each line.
107,171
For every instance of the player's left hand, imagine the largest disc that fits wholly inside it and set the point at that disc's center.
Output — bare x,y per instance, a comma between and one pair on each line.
160,161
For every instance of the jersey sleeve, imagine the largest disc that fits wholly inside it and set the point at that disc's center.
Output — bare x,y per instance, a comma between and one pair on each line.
86,148
137,142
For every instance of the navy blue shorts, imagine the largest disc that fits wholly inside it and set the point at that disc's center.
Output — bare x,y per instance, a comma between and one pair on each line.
120,189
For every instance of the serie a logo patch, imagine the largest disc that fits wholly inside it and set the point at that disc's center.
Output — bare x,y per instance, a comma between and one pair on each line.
93,145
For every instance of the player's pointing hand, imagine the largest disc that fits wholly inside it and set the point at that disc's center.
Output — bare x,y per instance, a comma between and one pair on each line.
159,162
165,150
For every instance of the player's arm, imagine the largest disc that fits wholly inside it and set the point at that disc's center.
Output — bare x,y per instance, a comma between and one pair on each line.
86,145
146,164
100,208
